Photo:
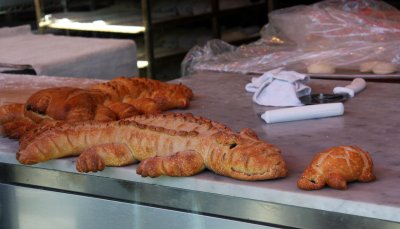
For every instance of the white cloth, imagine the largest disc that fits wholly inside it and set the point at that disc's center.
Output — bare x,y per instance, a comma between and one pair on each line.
55,55
279,88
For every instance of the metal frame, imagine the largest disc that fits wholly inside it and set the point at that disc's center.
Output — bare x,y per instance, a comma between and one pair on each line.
148,36
149,26
26,207
202,203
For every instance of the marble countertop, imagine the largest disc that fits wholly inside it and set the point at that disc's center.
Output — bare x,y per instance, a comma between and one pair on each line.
370,121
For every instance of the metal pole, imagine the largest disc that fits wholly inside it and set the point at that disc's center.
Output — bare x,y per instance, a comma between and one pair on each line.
148,37
215,18
39,14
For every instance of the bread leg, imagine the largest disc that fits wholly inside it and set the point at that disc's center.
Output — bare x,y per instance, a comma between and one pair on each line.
186,163
124,110
98,157
104,114
144,105
337,181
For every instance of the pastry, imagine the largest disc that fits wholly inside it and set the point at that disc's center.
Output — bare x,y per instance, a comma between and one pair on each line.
335,167
117,99
165,144
378,67
320,68
13,123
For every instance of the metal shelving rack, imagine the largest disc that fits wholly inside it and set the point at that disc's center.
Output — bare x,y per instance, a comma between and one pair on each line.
145,28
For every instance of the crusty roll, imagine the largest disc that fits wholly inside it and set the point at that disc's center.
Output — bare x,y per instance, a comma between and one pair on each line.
335,167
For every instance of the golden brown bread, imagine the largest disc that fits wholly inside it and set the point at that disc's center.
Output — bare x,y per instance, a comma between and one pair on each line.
63,103
167,96
94,158
121,110
10,112
145,105
335,167
166,144
13,123
180,164
117,99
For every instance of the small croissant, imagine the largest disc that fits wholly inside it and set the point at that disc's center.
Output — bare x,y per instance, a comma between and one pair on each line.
335,167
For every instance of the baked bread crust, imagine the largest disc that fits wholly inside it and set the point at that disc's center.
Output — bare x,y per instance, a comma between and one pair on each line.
13,123
119,98
166,144
335,167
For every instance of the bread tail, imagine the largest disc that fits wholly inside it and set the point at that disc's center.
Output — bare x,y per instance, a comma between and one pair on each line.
61,141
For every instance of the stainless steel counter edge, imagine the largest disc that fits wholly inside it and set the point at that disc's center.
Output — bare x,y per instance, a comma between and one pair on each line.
204,203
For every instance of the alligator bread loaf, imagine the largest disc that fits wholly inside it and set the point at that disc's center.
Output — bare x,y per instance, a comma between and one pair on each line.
119,98
165,144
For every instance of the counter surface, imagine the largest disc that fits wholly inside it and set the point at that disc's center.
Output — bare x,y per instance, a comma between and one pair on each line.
370,121
59,55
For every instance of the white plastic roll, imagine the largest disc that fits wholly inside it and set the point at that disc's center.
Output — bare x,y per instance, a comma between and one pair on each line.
304,112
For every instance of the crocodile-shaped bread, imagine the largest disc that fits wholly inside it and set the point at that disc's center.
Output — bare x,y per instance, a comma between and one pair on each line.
165,144
116,99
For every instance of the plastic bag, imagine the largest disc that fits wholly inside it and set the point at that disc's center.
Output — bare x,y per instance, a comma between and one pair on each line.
341,33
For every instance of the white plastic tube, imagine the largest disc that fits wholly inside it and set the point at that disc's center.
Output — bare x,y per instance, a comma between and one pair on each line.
304,112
